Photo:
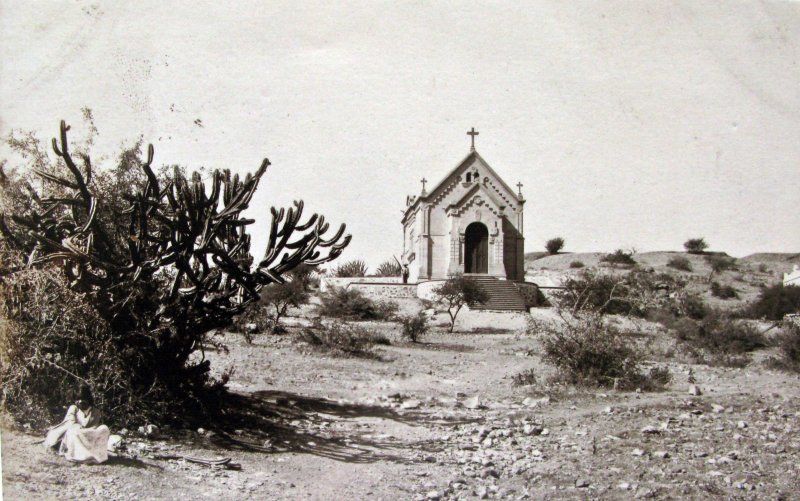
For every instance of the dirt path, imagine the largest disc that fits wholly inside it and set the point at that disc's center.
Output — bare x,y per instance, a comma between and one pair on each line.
400,427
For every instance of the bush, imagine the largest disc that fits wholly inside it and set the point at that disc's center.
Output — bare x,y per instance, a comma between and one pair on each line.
633,294
587,352
414,326
389,268
680,263
619,257
695,245
689,305
774,302
554,245
723,291
720,340
788,343
342,339
352,304
353,268
524,378
576,264
763,268
720,263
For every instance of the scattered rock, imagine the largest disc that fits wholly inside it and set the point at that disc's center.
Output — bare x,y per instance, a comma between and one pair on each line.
694,390
638,452
651,430
582,483
661,454
473,403
433,495
410,404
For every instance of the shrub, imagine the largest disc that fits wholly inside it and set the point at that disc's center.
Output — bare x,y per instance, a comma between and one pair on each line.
353,268
352,304
524,378
457,291
689,305
342,339
619,257
695,245
633,294
763,268
720,263
720,340
414,326
576,264
776,301
788,343
723,291
587,352
389,268
680,263
554,245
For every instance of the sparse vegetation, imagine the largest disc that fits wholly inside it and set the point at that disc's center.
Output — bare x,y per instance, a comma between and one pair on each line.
343,339
632,294
619,257
576,264
457,291
554,245
695,245
352,268
414,326
788,343
524,378
723,291
352,304
774,302
680,263
389,268
719,263
720,340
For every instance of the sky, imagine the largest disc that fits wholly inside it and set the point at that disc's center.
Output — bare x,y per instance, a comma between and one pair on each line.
633,125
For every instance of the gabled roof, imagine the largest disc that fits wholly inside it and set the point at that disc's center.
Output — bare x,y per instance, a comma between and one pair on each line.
478,188
457,170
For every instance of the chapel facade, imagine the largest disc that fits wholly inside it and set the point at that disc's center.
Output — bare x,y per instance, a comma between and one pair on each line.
471,223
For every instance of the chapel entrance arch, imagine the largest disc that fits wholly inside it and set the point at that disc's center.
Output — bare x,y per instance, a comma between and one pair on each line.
476,248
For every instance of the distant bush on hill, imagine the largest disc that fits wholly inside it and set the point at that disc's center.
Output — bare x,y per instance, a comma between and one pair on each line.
680,263
554,245
695,245
720,263
576,264
719,339
619,257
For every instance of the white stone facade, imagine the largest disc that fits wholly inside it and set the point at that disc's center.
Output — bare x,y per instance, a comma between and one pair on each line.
471,222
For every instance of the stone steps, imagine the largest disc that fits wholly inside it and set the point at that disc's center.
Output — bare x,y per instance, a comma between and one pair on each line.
503,294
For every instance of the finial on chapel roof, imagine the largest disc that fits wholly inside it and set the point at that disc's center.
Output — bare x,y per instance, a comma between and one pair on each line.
423,181
472,133
519,191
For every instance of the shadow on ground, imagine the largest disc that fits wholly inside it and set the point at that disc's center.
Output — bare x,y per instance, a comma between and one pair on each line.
277,422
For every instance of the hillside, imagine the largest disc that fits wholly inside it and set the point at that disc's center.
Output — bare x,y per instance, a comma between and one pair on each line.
749,275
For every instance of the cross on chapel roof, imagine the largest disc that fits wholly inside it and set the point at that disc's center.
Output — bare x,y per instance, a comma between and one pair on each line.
472,133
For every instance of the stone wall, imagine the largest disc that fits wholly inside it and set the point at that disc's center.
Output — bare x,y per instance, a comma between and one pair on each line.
379,292
327,282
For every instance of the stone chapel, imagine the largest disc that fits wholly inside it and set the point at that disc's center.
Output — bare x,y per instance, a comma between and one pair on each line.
471,223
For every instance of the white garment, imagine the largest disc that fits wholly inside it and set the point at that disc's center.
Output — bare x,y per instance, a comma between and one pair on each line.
81,437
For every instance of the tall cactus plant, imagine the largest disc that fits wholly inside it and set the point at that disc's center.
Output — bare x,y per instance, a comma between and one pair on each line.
172,264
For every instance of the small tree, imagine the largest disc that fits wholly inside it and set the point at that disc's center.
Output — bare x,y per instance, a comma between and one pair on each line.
554,245
457,291
619,257
695,245
277,298
414,326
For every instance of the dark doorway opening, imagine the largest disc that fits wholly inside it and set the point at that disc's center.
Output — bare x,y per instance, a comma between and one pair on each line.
476,249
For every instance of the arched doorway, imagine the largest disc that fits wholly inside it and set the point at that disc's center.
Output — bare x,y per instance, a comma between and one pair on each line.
476,248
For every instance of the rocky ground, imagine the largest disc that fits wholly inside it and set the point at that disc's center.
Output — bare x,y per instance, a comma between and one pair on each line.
443,420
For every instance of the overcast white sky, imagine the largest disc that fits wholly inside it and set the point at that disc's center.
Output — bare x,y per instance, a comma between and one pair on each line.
630,124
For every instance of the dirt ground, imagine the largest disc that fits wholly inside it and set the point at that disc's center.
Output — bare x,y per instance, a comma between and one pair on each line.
443,419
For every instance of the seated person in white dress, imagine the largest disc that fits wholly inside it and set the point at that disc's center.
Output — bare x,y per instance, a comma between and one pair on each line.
80,437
